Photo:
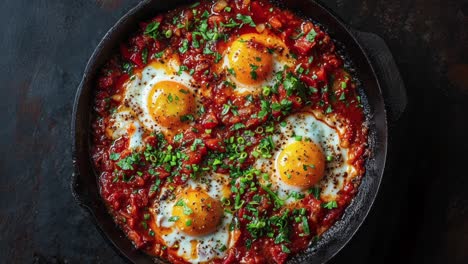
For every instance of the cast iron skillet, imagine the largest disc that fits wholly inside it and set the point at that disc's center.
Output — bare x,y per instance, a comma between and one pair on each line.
84,181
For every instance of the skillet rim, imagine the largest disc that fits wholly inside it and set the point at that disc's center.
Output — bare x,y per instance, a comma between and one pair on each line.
371,195
381,170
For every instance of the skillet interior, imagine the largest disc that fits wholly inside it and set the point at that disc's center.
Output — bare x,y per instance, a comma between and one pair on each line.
84,180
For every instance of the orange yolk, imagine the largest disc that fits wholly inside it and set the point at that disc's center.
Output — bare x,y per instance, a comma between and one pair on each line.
301,164
169,102
250,59
197,213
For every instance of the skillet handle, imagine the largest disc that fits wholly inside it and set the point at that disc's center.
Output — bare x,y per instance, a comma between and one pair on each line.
391,83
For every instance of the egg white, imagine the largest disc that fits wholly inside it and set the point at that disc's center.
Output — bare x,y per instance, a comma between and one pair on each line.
133,117
138,90
124,123
242,88
307,126
280,61
208,246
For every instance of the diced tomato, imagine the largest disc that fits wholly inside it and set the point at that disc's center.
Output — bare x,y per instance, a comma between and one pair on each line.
181,178
119,145
303,46
194,157
124,52
105,82
209,121
261,15
253,122
162,173
321,75
121,80
296,101
213,143
277,254
215,20
137,59
136,238
275,22
139,42
138,182
151,140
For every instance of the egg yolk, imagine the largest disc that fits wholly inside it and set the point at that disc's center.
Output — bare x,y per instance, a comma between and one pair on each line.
250,59
170,104
301,164
197,213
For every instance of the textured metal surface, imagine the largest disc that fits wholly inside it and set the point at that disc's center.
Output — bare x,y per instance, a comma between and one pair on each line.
421,214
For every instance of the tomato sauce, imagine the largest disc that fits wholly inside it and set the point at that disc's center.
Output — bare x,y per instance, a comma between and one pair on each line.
130,192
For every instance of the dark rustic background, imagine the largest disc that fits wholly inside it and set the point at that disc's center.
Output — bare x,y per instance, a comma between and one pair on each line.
421,212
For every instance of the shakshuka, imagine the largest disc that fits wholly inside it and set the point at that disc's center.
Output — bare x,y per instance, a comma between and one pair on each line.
228,131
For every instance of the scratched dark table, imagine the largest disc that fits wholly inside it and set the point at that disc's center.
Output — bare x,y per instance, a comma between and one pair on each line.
421,212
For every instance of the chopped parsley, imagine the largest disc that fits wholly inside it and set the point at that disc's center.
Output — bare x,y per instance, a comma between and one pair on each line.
256,227
187,117
316,192
226,109
155,186
222,248
128,162
186,209
342,97
173,218
248,243
293,85
285,249
343,85
170,98
168,33
330,205
246,20
238,126
158,55
265,148
127,67
230,24
144,56
182,68
284,106
218,57
178,137
152,30
205,14
311,35
114,156
231,71
265,108
277,201
184,47
253,73
305,226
